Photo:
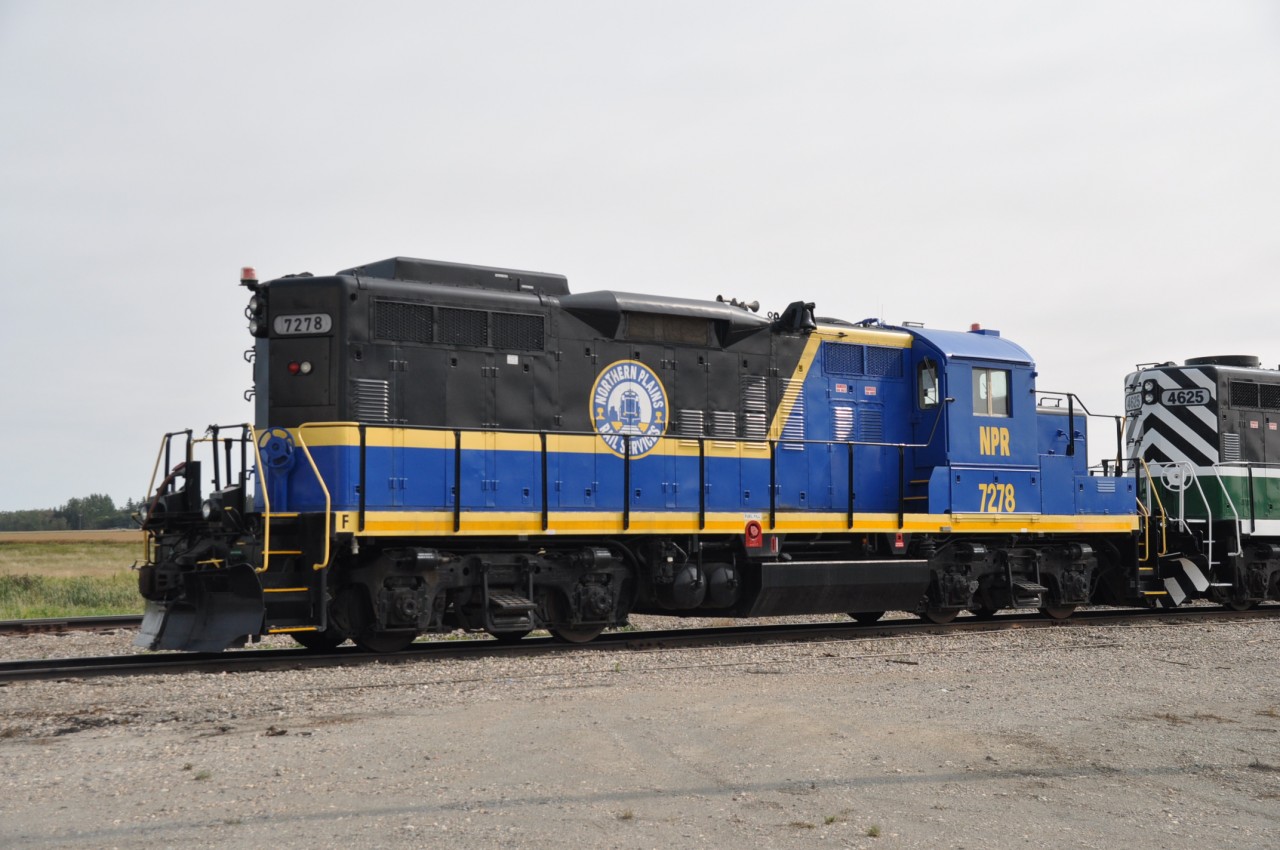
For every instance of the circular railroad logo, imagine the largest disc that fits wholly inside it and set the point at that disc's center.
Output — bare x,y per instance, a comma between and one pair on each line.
628,402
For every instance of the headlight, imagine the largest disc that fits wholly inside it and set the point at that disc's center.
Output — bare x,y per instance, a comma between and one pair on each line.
208,509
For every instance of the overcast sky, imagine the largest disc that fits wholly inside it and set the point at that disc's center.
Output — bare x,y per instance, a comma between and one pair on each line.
1099,181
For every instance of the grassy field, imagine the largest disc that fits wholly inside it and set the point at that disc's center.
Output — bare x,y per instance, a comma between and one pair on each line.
68,579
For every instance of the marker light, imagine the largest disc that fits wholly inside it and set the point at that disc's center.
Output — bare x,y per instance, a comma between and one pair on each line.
300,368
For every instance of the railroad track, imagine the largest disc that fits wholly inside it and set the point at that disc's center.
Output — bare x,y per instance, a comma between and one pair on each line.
294,659
70,624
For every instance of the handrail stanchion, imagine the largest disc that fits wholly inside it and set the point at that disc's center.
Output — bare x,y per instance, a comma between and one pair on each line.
324,488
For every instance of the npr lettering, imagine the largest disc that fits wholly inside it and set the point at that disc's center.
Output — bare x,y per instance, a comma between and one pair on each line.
993,440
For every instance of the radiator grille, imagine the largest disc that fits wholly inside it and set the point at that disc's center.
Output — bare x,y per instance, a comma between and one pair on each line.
1244,394
518,331
1230,448
877,361
1270,396
884,362
463,327
841,358
401,321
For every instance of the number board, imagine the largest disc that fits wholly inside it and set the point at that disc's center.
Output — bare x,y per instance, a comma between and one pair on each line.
1182,398
303,323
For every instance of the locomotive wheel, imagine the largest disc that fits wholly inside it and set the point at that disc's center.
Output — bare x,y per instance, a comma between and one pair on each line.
320,641
866,618
371,641
558,612
510,637
1236,604
941,616
1058,612
351,614
582,634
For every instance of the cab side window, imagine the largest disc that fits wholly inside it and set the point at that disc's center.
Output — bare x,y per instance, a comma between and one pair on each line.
927,383
990,392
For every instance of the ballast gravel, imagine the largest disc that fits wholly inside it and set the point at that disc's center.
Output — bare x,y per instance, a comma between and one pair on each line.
1152,734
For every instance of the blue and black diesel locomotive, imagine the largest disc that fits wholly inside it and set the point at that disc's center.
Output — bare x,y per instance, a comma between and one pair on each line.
440,446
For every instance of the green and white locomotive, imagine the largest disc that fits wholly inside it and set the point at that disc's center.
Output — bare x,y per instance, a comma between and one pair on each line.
1206,439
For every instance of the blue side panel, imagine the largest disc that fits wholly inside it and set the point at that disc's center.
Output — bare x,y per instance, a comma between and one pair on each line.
1099,494
649,482
875,479
1059,484
793,465
1052,436
572,479
995,490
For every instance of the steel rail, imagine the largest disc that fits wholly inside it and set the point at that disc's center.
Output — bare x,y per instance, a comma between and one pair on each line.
251,660
70,624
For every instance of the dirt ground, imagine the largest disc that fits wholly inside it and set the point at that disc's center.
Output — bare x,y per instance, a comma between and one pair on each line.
1152,736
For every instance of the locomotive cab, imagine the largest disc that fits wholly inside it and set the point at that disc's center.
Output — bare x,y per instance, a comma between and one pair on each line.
976,423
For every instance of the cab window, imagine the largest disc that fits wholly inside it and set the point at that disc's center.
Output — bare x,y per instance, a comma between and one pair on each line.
927,381
991,392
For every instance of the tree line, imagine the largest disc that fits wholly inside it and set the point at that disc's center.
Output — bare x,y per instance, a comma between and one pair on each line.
90,512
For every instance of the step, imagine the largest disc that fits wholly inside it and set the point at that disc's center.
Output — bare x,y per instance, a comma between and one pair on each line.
506,603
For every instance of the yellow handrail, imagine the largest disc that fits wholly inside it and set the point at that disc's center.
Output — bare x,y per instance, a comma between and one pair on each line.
151,488
328,502
266,503
1164,525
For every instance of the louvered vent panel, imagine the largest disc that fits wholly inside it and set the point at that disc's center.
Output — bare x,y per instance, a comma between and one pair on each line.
463,327
884,362
1230,448
692,424
755,404
841,422
1244,394
371,399
1106,485
724,425
401,321
871,428
841,358
793,400
518,331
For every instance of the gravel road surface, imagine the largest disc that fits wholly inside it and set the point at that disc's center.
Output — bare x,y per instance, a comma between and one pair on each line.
1153,735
